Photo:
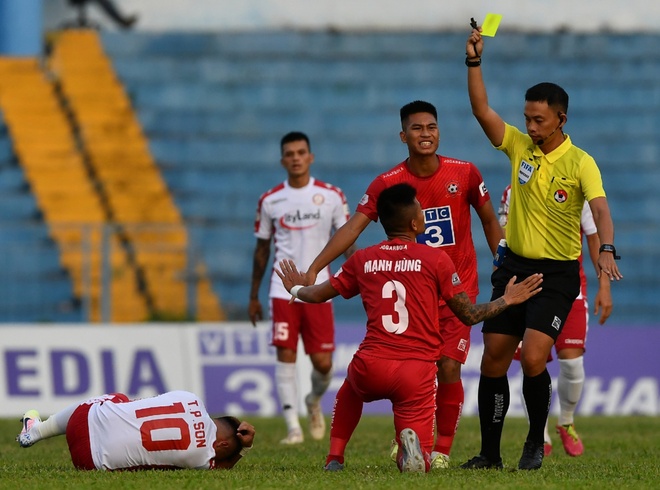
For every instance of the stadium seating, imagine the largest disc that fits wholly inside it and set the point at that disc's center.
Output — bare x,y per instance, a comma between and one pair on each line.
55,172
137,198
213,107
35,286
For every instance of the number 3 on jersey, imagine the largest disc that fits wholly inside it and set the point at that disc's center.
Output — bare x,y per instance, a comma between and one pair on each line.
439,229
390,289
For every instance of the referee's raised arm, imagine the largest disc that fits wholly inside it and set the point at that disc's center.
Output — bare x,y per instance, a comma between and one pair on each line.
490,121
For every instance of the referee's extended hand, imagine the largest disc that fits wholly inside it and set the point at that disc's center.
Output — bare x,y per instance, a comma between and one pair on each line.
475,44
607,265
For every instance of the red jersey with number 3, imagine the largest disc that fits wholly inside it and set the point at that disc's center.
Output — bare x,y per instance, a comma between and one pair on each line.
171,430
446,197
400,283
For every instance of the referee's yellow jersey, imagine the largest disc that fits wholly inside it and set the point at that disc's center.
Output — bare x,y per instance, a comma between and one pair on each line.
547,195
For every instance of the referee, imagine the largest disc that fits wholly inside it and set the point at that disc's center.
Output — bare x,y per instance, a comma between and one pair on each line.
551,178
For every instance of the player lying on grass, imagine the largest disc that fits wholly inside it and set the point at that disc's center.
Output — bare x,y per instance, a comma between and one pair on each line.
168,431
401,282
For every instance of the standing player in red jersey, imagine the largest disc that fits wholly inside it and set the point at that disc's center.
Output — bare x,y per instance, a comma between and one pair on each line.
446,189
168,431
571,342
400,282
298,215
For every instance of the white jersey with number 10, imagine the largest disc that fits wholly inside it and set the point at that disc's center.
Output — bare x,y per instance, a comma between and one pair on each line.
169,430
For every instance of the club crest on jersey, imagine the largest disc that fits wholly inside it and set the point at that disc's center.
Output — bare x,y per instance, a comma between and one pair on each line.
525,172
318,199
561,196
452,187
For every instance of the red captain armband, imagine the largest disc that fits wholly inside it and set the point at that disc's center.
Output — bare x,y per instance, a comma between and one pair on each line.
606,247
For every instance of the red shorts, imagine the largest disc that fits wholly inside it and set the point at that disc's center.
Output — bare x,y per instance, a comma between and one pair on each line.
77,431
313,322
455,334
574,333
409,384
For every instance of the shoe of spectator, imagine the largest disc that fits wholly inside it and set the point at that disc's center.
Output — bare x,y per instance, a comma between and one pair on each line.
412,458
480,462
30,419
532,456
316,418
295,436
333,465
570,439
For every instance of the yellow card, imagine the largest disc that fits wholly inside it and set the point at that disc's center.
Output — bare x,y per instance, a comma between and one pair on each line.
490,25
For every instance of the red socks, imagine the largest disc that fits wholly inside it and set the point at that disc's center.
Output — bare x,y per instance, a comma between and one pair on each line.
449,404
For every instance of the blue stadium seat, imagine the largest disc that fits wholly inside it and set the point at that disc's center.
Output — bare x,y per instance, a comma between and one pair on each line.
214,106
6,151
11,179
42,261
18,207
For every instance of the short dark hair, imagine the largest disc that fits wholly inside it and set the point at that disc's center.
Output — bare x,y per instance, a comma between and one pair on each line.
233,423
396,207
294,136
416,107
549,92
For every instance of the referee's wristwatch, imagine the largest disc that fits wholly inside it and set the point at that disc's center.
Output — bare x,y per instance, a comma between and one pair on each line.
606,247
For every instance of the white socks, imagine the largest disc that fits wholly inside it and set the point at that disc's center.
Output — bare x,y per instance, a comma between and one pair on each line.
320,384
569,387
287,390
55,425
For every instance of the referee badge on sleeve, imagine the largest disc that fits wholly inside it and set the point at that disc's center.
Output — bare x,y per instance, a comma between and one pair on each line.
525,172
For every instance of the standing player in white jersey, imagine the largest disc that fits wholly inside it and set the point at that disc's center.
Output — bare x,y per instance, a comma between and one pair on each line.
168,431
299,215
571,342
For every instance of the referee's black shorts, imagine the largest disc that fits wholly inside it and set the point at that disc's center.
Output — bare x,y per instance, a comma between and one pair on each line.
546,311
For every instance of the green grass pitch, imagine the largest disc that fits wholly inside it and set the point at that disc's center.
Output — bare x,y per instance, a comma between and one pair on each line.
620,452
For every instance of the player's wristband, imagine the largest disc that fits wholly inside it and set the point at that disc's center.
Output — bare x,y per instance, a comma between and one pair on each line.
295,289
606,247
245,450
472,62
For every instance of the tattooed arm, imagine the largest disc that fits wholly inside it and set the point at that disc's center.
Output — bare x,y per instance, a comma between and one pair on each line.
514,294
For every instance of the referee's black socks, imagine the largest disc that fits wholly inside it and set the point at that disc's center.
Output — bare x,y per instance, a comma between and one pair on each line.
494,398
537,391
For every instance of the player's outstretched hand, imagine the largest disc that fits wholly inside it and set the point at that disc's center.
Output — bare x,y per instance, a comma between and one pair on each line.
310,278
515,294
245,434
290,275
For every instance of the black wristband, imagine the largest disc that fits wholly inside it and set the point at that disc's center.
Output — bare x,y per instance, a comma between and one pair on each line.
471,63
606,247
